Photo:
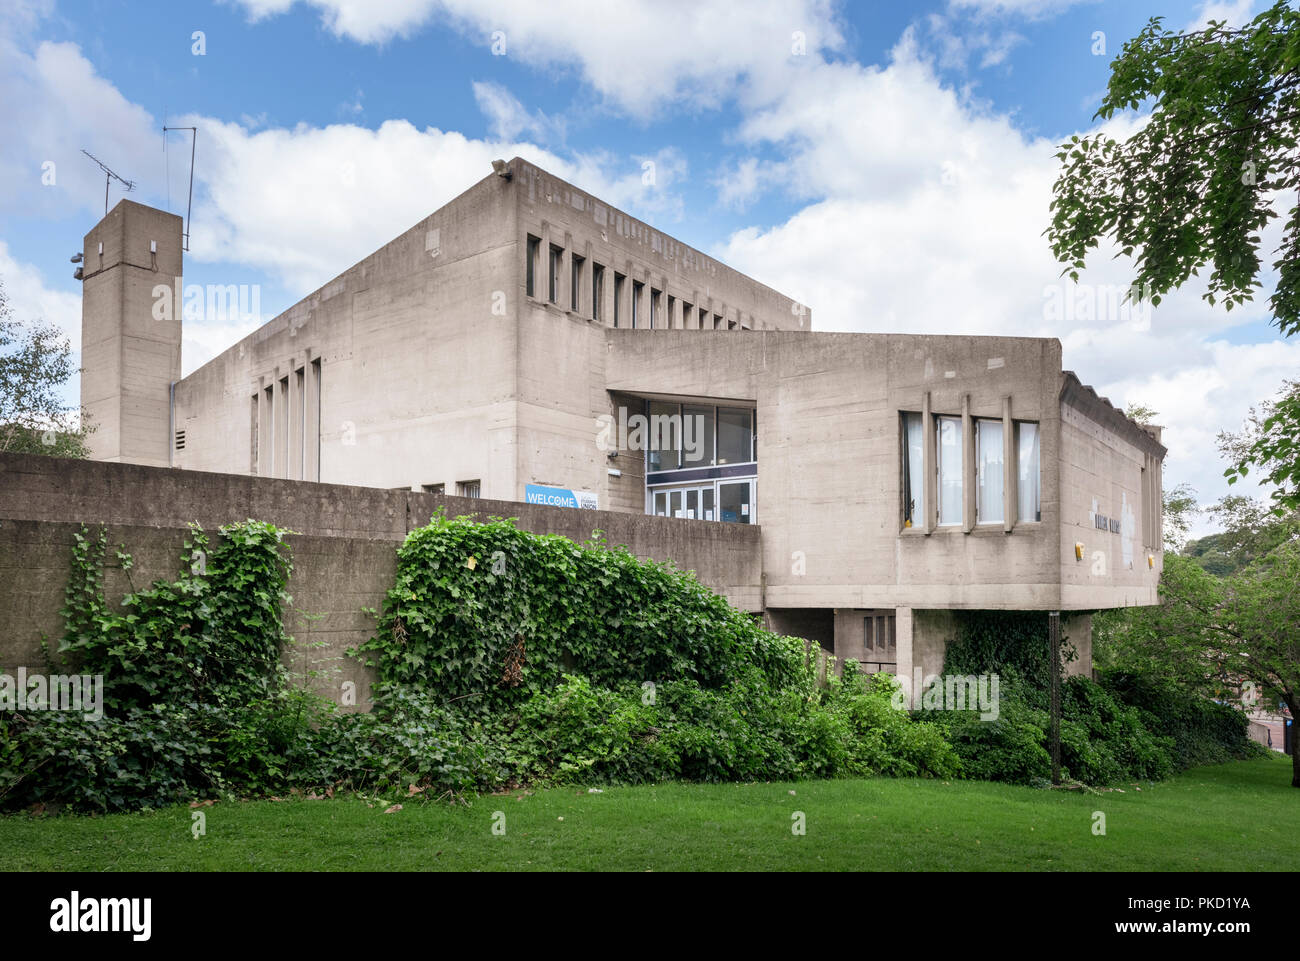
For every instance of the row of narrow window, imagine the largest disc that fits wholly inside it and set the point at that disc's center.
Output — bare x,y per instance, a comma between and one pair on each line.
693,318
469,488
284,426
990,473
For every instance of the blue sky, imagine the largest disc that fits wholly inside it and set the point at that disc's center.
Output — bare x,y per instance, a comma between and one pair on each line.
891,168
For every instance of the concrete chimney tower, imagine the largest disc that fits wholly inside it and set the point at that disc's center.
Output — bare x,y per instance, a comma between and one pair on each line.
130,336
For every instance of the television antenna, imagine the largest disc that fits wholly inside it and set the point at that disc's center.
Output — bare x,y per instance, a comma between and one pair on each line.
108,177
194,138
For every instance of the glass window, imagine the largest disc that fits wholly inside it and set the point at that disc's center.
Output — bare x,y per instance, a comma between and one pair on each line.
530,268
655,298
988,471
950,489
733,502
913,464
556,253
734,441
1028,485
665,435
470,488
697,436
575,285
619,281
637,287
597,290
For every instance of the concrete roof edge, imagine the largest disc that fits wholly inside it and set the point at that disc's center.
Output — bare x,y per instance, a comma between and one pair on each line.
1084,398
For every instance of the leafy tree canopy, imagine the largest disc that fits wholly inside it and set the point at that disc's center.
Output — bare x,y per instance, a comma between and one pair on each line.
1197,183
35,362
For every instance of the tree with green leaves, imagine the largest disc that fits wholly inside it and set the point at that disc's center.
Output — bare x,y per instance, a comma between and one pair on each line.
1195,185
35,362
1210,634
1270,442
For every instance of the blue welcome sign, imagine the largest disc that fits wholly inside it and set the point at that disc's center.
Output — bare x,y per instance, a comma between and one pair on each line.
559,497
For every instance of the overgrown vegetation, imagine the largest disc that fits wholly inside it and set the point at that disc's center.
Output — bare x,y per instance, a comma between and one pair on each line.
1128,727
505,658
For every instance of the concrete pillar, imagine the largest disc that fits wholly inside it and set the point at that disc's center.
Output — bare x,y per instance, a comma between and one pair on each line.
131,308
297,419
311,465
903,639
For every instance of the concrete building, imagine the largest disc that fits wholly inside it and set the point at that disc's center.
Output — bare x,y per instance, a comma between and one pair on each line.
528,342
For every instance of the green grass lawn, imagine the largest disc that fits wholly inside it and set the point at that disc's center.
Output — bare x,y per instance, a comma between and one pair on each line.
1238,816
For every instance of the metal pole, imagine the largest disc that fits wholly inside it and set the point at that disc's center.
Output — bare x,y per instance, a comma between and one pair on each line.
105,195
189,205
1054,734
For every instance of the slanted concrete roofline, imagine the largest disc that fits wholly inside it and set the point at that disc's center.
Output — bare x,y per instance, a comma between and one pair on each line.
1085,399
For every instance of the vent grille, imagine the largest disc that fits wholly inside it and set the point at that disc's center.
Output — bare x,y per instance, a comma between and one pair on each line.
180,440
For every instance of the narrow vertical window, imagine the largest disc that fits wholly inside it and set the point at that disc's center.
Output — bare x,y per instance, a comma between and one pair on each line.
950,479
252,446
530,267
575,282
663,446
597,290
656,297
988,472
1029,485
913,465
554,275
619,283
637,288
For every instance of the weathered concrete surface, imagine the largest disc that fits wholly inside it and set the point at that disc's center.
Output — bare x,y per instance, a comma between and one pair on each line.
344,546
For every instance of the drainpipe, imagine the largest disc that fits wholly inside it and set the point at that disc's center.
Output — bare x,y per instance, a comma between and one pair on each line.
171,424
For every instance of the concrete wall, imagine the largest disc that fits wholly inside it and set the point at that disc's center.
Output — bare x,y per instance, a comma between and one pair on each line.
829,492
344,545
417,357
1104,458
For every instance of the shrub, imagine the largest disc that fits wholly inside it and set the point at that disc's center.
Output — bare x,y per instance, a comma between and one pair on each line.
495,615
1202,731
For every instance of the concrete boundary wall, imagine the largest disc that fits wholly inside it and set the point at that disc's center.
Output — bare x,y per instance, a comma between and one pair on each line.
344,546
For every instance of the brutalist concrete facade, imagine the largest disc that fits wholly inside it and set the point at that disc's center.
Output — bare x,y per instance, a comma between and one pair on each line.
489,348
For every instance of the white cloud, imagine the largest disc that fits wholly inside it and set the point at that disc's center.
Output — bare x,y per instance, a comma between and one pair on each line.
33,301
1237,13
926,215
305,203
508,119
61,105
1025,9
639,56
